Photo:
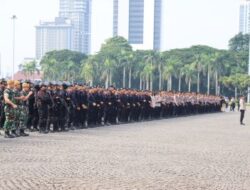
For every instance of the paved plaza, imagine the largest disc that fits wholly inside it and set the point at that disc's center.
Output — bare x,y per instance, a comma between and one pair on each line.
189,153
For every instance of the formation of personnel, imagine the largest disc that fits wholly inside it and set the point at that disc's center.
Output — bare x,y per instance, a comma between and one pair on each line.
51,107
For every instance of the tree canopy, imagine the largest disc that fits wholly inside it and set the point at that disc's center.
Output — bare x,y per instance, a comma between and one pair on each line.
198,68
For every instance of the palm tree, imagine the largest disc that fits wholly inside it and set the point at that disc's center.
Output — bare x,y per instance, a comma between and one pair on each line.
167,75
189,72
87,71
160,61
221,66
148,69
210,61
130,59
70,74
30,68
108,66
49,69
181,73
122,61
127,63
139,68
146,75
152,58
169,70
178,70
198,68
198,61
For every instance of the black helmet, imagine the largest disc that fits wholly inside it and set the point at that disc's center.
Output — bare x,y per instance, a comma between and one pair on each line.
3,81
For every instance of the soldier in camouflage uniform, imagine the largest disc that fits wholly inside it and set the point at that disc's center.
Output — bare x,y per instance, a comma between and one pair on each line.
24,107
18,111
9,109
2,114
21,112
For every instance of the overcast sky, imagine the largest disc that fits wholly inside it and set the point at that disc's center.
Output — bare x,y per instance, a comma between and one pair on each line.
190,22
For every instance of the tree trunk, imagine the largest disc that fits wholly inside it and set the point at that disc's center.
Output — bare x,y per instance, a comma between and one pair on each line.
130,77
216,84
140,82
107,81
198,82
189,85
160,78
147,81
124,78
179,83
110,78
168,86
235,93
208,82
170,83
151,82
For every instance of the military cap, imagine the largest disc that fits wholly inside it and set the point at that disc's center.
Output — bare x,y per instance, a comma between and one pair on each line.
10,82
17,82
25,84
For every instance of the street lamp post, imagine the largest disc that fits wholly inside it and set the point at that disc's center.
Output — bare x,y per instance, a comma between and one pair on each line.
14,17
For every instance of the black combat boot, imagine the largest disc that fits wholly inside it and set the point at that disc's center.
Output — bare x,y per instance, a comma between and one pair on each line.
14,133
8,135
23,134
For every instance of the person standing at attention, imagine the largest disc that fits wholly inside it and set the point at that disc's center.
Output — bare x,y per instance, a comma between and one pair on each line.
242,109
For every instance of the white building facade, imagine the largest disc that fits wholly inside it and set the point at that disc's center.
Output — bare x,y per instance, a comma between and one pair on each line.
244,17
51,36
141,22
79,12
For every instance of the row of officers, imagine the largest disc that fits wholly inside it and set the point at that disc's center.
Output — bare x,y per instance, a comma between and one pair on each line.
51,107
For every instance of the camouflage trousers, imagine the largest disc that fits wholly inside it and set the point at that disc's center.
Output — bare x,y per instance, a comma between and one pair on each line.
21,117
9,123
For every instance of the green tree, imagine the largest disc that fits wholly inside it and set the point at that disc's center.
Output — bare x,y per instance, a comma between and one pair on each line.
88,70
62,65
114,52
30,68
189,71
169,68
240,42
237,82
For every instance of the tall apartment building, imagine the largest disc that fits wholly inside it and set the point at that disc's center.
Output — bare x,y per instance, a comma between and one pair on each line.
245,17
55,35
141,22
79,12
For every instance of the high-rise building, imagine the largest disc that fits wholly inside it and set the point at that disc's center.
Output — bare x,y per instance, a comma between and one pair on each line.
55,35
79,12
245,16
141,22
